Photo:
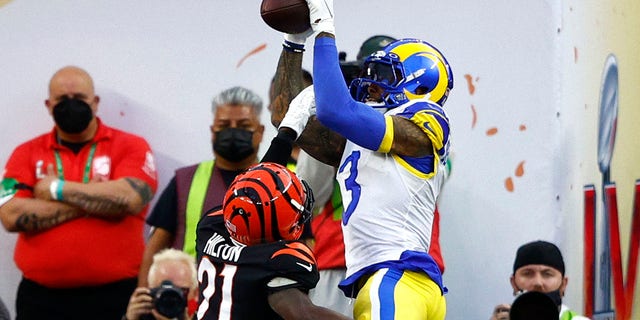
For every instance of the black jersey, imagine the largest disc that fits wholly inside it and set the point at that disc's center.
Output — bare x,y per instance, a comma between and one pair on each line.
235,280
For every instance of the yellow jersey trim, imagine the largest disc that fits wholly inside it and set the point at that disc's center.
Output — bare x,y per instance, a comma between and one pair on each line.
387,139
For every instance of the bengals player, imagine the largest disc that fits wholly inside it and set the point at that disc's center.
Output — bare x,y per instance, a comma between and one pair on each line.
251,265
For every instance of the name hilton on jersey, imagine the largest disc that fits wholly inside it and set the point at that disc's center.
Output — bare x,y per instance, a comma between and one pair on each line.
217,248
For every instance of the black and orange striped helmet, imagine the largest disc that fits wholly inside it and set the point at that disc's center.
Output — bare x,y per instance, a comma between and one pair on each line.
267,203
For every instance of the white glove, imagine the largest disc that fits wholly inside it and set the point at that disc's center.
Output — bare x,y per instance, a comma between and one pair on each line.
300,109
321,16
298,38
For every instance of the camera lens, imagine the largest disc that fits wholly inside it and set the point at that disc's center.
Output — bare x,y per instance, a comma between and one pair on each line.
169,300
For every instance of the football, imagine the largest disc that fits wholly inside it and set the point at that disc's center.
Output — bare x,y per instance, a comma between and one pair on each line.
288,16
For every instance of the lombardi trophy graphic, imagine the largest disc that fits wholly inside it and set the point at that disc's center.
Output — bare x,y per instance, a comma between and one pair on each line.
608,118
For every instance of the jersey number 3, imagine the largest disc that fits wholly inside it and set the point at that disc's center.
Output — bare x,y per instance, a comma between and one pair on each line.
351,185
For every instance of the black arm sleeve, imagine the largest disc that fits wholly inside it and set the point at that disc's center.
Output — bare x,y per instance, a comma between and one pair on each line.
280,149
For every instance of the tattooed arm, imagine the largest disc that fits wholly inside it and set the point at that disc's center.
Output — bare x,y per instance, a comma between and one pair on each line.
316,139
321,142
287,83
35,215
409,139
108,200
327,145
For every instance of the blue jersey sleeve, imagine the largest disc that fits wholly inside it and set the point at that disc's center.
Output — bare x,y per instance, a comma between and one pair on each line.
354,120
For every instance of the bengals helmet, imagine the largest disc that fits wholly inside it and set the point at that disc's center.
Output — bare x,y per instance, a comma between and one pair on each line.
267,203
406,69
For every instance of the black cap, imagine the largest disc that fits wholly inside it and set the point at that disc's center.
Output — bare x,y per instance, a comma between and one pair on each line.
351,69
372,45
539,252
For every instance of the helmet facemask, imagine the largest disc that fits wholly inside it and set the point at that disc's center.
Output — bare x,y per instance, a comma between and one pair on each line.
386,72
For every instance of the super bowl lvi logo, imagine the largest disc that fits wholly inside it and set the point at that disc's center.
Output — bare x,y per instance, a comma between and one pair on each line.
603,272
101,168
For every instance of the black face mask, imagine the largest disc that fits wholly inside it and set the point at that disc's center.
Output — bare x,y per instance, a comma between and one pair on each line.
233,144
553,295
556,297
72,115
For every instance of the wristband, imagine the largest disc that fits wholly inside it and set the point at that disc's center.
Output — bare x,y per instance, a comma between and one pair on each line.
59,196
293,47
53,189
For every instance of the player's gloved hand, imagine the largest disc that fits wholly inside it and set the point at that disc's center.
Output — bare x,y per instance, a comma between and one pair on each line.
300,109
295,42
321,16
298,38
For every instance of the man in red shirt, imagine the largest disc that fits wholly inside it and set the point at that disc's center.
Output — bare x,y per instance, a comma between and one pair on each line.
77,196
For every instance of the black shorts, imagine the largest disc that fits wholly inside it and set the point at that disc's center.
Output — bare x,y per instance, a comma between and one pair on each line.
107,302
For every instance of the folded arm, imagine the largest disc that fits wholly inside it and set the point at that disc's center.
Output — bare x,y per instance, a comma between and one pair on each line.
35,215
113,199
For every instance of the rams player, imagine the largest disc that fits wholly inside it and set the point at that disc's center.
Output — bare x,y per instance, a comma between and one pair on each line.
388,135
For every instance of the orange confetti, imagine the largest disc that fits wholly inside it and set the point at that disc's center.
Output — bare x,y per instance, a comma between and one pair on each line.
474,116
575,55
252,52
520,169
522,127
492,131
508,184
472,88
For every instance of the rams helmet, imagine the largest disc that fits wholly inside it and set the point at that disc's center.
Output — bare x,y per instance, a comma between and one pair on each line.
406,69
267,203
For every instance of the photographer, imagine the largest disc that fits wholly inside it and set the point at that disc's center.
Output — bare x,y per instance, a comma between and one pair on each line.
538,267
172,284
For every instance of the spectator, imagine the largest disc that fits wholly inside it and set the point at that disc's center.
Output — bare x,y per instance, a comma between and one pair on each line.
77,197
538,266
166,300
236,134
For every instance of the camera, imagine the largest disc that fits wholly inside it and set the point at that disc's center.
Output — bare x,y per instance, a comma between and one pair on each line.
169,300
533,305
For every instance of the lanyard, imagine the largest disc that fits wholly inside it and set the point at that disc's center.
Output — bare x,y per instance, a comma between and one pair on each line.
87,166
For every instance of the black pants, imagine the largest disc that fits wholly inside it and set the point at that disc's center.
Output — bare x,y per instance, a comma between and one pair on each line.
108,302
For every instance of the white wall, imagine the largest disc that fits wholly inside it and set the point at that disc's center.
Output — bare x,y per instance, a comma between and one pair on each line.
157,64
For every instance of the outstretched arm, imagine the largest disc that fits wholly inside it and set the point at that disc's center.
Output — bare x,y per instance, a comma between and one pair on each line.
287,84
316,139
357,121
